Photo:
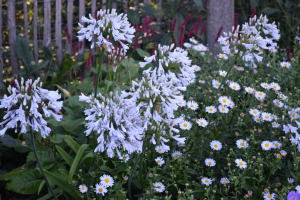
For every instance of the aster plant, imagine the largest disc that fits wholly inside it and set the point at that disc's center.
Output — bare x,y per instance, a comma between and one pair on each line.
27,106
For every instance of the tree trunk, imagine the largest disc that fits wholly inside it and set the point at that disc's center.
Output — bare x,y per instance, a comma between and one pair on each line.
25,20
103,2
70,25
11,21
219,13
58,31
47,24
159,9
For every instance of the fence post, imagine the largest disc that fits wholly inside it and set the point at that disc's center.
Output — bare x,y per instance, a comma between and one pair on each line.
11,23
94,49
1,60
25,20
103,7
35,40
47,24
70,25
81,13
58,31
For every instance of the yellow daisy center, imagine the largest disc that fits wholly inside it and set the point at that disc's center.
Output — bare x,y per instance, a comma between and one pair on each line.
201,122
241,163
267,145
159,187
274,124
285,64
211,109
159,161
254,111
223,74
83,188
260,94
217,85
267,117
185,125
215,145
270,196
242,144
258,119
107,180
206,181
234,87
100,189
224,181
223,56
224,100
124,158
159,149
209,163
266,85
293,115
223,109
192,105
176,155
276,145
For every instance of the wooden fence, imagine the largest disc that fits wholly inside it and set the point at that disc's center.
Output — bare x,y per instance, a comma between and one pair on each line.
46,40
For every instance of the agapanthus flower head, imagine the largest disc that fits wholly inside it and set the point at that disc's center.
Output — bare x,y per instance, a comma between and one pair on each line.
27,105
118,123
108,28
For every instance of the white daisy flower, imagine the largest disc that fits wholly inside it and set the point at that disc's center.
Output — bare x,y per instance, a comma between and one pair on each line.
249,90
235,86
206,181
260,95
273,49
268,65
159,187
222,73
202,122
83,188
269,196
200,47
193,40
100,189
190,80
106,180
267,145
160,149
187,45
176,155
293,115
241,164
185,125
216,84
210,109
257,119
124,158
265,85
180,144
285,64
275,125
231,104
182,103
224,56
242,144
223,100
223,109
202,53
160,161
216,145
254,112
202,81
266,116
224,181
275,86
276,145
282,96
192,105
278,103
210,162
196,68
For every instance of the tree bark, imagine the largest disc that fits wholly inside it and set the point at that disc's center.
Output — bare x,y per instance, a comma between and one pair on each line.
58,31
11,21
219,13
81,43
47,24
35,39
70,25
159,9
25,20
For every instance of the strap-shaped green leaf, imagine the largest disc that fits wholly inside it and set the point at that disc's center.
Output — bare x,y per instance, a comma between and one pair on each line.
63,184
69,160
74,145
76,160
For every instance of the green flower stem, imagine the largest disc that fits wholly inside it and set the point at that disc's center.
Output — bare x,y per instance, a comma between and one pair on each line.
39,164
99,71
